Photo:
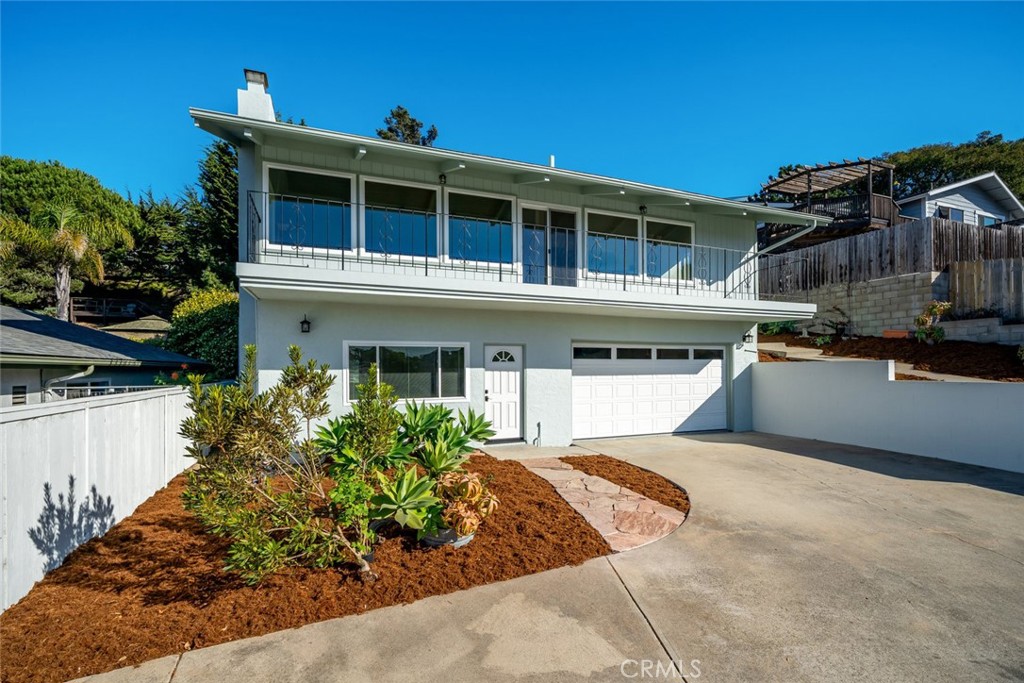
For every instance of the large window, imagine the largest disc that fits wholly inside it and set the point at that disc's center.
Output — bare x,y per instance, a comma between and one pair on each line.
400,219
612,244
309,210
669,251
415,370
988,220
479,228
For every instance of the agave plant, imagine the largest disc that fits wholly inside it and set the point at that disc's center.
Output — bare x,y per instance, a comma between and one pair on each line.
475,426
421,421
466,502
407,499
330,438
439,456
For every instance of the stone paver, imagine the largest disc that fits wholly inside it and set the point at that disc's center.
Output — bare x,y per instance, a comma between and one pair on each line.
625,518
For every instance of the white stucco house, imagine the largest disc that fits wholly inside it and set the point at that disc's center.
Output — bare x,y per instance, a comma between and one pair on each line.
564,305
982,200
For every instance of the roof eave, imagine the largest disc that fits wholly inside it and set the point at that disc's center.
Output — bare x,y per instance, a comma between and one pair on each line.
232,128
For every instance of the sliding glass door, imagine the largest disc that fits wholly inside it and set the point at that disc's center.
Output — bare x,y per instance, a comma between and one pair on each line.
549,247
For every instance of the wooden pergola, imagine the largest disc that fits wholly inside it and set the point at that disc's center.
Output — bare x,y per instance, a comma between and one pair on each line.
823,177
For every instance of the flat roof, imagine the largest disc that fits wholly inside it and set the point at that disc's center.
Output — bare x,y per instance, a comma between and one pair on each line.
239,130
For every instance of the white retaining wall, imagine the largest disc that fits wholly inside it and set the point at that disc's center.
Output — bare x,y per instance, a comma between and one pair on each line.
126,446
859,403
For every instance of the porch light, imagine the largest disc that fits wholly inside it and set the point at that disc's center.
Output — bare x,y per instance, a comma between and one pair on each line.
304,325
748,338
443,179
643,209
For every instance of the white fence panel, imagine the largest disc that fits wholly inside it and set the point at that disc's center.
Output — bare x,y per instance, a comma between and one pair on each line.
69,470
859,403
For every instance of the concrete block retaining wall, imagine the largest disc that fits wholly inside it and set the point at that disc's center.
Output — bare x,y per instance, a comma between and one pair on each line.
889,303
984,330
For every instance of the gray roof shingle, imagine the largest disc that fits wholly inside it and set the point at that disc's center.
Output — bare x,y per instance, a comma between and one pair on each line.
23,333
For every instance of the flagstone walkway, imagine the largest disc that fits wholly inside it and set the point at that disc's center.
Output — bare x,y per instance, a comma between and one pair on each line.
625,518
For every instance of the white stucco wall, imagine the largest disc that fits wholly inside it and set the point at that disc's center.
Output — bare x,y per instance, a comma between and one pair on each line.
546,339
859,403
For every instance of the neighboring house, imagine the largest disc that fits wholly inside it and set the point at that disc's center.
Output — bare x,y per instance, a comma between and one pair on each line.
147,327
42,358
982,200
563,305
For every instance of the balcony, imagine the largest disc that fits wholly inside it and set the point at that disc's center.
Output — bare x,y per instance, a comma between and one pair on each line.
873,208
468,253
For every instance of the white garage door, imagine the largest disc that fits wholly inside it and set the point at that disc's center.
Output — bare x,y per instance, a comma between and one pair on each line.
627,390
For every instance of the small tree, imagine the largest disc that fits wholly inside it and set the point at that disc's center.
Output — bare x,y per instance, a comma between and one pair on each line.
401,126
262,481
205,326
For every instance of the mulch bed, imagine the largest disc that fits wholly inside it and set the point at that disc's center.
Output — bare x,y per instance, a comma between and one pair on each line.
637,479
984,361
154,585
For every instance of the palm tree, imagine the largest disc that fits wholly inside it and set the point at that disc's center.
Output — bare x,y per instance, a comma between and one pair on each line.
67,239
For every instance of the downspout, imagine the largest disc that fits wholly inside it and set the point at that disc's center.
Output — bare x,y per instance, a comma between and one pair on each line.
66,378
794,236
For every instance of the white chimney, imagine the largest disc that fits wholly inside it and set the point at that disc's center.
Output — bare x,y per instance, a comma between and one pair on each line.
551,161
254,102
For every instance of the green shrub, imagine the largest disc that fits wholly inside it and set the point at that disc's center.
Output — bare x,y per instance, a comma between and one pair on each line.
262,479
822,340
1020,353
927,327
781,327
205,326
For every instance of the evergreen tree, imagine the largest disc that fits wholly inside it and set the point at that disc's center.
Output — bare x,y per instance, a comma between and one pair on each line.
401,126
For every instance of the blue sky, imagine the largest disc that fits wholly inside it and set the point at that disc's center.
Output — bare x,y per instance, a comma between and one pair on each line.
705,97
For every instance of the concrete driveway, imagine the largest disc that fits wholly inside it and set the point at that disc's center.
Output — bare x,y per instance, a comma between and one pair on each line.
801,561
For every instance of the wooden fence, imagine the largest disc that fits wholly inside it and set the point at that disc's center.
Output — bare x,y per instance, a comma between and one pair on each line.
995,285
916,247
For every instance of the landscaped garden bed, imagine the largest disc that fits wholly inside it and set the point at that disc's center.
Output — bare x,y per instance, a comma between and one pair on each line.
155,584
970,359
284,524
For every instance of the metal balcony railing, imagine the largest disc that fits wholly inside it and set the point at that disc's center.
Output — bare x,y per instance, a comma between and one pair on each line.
303,231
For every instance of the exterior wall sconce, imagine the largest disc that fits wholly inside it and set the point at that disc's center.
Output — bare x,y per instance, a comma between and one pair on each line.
304,325
643,209
443,179
748,338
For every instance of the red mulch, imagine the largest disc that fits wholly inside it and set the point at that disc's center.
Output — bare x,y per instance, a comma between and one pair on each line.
654,486
154,584
985,361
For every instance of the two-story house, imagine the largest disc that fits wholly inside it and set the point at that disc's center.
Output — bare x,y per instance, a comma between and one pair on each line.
564,305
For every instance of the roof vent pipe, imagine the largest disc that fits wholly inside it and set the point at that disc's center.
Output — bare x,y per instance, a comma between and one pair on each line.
551,161
254,102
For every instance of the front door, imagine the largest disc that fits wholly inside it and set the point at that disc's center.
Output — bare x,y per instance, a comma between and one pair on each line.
503,385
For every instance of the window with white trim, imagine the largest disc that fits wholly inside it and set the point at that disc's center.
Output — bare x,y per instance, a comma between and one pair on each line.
416,371
308,209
